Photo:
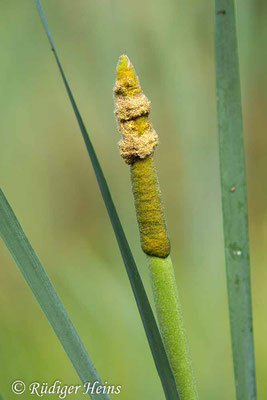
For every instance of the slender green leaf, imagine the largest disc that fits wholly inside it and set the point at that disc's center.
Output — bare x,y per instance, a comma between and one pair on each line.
234,204
42,288
149,323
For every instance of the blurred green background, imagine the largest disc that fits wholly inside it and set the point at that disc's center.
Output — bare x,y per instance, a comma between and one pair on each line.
47,177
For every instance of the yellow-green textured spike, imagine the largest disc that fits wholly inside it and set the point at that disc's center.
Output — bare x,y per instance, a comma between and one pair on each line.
127,82
136,147
149,209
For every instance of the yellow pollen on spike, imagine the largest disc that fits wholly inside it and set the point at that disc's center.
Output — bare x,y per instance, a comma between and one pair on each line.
137,146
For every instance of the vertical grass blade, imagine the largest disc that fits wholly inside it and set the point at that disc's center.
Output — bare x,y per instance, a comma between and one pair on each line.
234,204
147,316
44,292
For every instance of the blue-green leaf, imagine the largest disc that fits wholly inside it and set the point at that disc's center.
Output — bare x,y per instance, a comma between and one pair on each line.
234,203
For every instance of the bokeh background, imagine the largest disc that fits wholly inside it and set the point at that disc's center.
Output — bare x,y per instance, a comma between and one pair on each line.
47,177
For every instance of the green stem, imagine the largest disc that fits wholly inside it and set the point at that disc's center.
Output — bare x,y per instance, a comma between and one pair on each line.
172,325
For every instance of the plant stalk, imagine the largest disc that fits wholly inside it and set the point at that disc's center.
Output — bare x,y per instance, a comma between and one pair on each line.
171,324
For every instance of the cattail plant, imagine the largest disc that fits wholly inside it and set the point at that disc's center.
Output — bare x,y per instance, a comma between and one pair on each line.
169,346
38,281
137,146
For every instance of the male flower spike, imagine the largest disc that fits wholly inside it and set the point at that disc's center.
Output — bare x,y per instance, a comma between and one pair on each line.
137,146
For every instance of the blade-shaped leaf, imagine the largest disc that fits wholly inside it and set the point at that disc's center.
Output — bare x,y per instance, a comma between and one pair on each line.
149,323
234,203
46,295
